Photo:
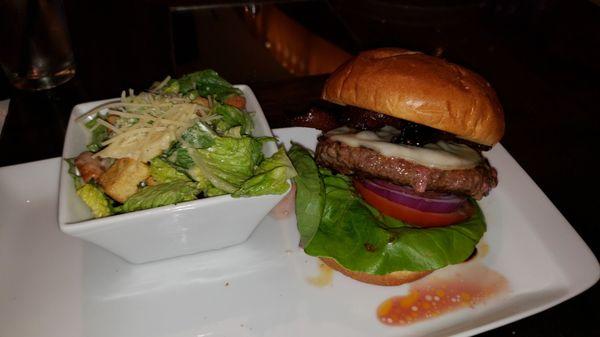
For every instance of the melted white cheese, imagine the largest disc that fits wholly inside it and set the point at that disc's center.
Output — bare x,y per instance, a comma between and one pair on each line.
440,155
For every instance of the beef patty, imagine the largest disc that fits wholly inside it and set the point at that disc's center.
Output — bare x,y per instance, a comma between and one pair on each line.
363,162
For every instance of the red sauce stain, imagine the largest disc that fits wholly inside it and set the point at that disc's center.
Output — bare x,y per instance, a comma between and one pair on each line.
465,286
285,207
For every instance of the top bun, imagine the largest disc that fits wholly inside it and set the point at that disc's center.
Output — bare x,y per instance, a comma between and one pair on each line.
422,89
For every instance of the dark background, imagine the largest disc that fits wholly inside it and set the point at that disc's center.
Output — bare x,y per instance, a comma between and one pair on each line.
542,57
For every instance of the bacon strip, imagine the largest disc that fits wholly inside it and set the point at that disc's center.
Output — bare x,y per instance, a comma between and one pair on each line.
89,167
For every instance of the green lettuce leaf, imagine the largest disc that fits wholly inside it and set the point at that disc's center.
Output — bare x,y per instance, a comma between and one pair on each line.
229,162
271,177
232,117
201,181
77,180
234,132
99,134
160,195
310,193
95,199
181,158
162,172
362,239
212,191
199,136
172,87
203,83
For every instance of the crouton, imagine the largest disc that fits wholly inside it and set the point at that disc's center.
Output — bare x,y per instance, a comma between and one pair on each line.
121,180
236,101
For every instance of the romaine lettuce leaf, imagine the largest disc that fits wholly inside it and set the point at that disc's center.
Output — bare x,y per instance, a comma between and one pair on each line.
234,132
203,83
162,172
160,195
362,239
271,177
229,162
212,191
201,182
181,158
232,117
99,134
95,199
77,180
199,136
236,165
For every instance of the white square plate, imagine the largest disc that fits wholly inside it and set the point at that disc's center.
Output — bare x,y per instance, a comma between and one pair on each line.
55,285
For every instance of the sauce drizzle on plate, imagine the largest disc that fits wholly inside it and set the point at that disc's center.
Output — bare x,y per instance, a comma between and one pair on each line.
464,287
324,277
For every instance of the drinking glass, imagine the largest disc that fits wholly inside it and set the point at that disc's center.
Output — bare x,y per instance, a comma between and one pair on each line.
35,51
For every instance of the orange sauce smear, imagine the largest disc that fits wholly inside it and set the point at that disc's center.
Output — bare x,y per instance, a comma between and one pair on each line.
433,296
483,248
324,277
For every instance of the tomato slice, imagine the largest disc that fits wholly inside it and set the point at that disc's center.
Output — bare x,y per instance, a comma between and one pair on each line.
411,215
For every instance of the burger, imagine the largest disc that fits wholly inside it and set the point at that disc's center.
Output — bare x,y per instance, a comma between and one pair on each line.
390,194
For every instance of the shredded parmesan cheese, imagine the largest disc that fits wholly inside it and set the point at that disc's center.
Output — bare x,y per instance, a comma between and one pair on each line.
101,121
147,126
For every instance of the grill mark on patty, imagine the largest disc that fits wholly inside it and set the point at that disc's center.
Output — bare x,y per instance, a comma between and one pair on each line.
363,162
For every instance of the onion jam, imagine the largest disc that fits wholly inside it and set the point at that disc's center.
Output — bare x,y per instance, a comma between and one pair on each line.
327,116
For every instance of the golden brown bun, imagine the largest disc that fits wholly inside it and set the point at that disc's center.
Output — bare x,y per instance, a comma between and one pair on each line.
422,89
394,279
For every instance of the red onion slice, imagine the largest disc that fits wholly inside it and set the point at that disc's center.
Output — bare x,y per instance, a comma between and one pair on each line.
428,202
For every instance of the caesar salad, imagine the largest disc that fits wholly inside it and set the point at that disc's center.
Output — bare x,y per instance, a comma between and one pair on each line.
181,140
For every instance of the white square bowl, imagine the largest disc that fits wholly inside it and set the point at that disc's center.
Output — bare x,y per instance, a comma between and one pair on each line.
168,231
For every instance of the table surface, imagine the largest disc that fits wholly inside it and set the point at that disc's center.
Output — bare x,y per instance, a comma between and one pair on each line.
541,57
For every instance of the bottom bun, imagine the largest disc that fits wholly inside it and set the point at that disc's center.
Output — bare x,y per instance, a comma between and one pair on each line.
392,279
